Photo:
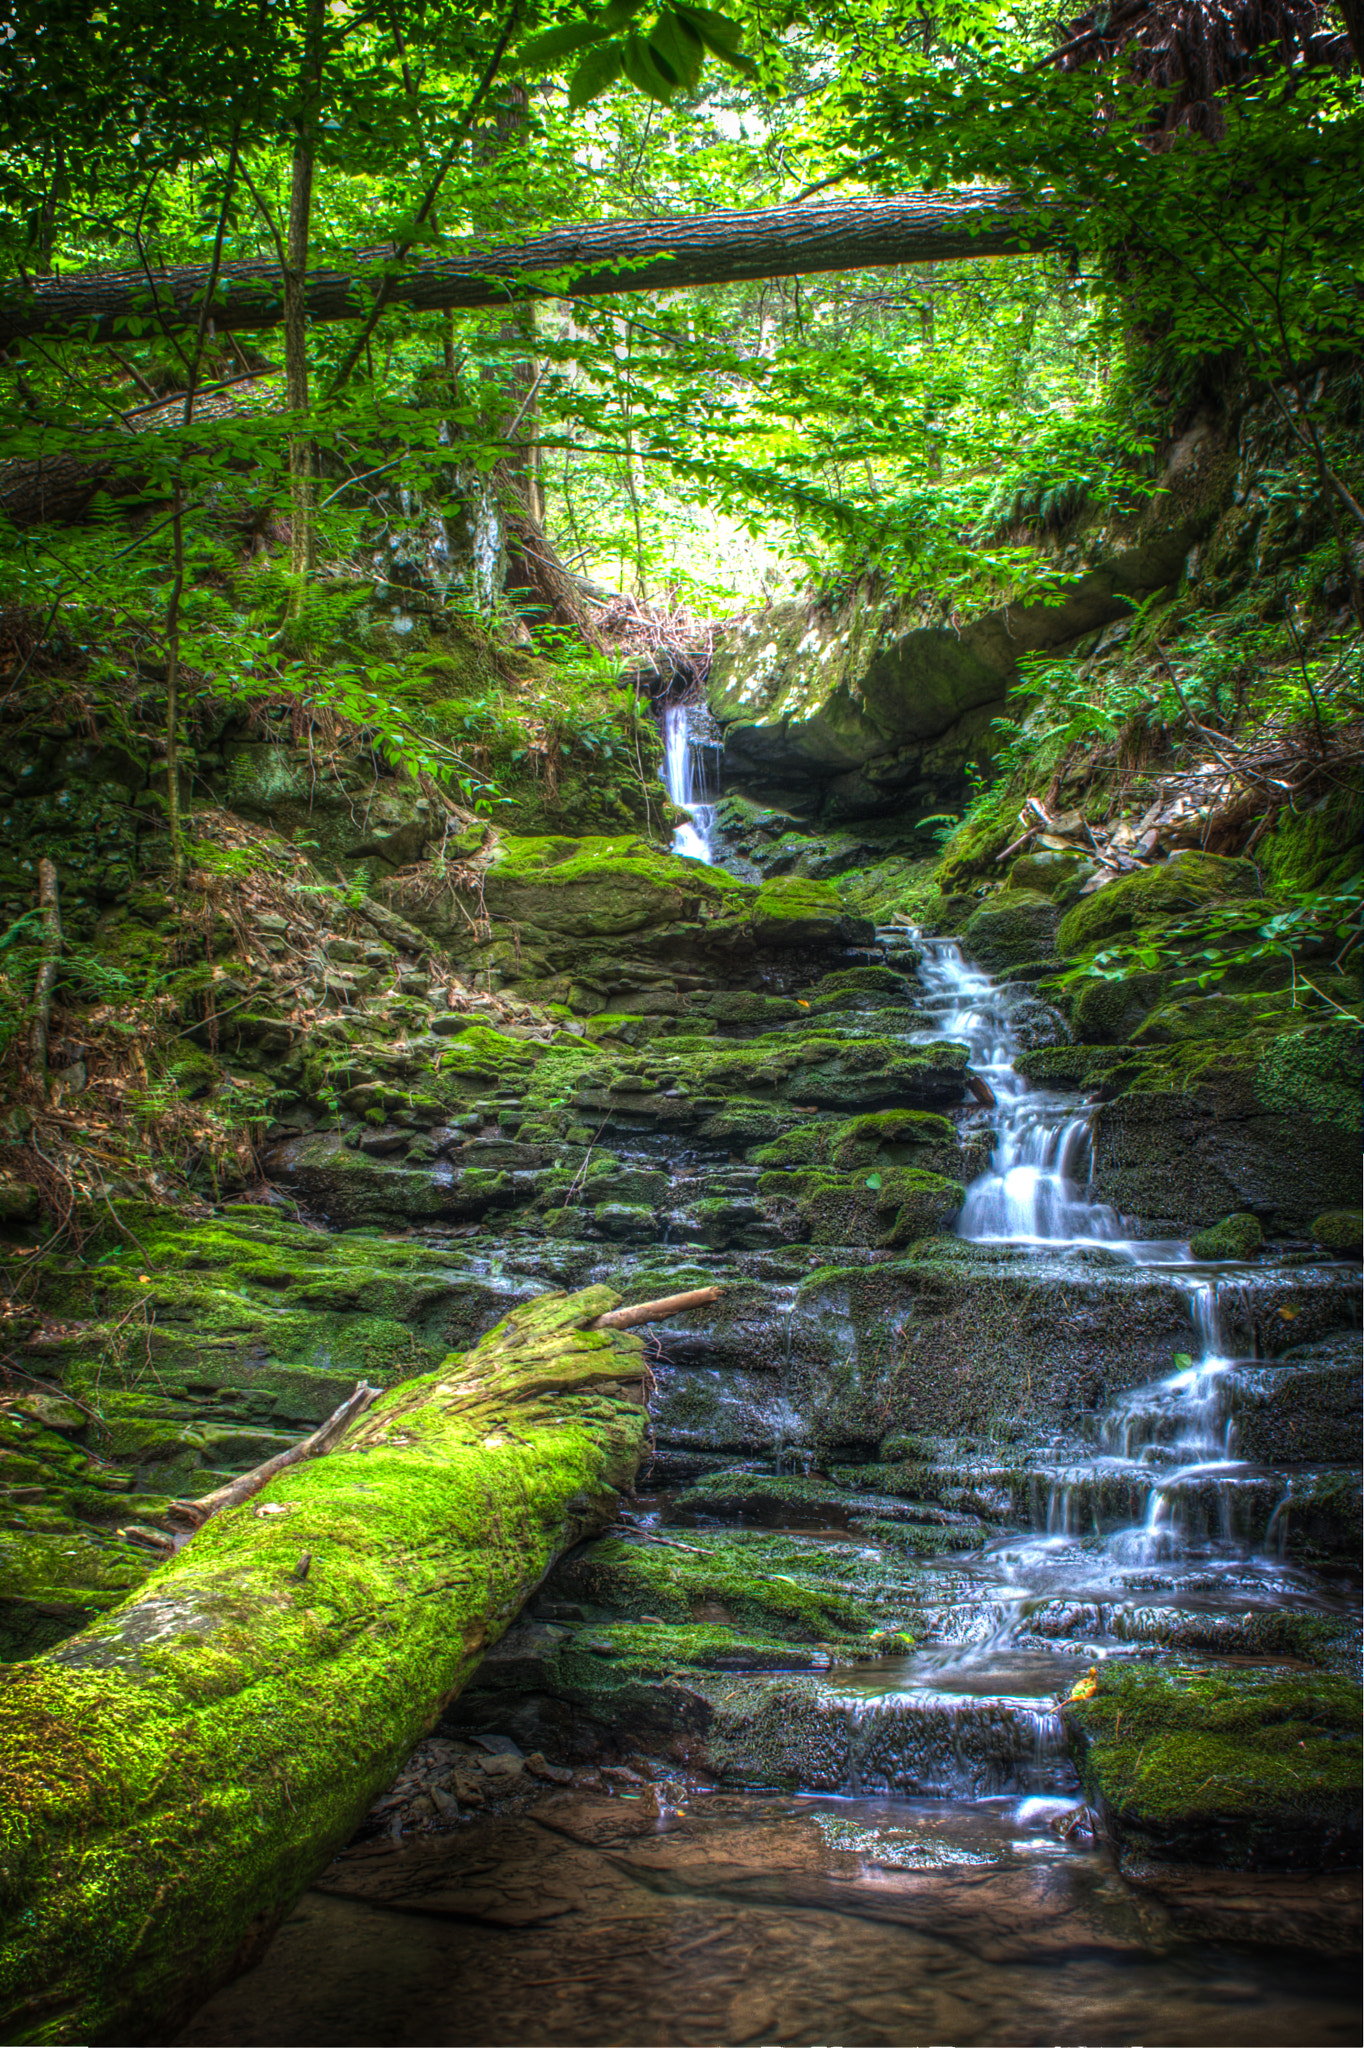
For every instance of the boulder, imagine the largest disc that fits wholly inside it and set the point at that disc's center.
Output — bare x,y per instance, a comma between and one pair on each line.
864,700
1015,929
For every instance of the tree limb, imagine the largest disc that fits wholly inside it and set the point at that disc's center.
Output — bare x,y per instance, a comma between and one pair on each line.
655,1311
194,1513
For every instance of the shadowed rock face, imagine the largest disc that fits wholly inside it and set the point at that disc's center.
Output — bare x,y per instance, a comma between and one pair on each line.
863,709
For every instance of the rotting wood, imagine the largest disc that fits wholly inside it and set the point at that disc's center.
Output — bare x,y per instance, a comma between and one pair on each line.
657,1311
597,259
194,1513
175,1776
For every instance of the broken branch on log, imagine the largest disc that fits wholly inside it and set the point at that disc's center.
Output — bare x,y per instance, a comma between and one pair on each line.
195,1513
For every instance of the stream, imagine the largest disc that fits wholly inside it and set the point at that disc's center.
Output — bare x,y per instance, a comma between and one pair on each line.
933,1880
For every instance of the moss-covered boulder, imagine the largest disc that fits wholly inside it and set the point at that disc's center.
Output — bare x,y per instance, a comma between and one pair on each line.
1235,1237
792,910
603,888
1012,930
1267,1123
1152,896
176,1775
1340,1230
1238,1769
1057,875
894,1206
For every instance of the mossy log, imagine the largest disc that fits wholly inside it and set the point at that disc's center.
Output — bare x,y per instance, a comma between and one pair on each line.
176,1775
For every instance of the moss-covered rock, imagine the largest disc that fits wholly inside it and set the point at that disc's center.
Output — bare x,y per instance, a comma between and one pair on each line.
1235,1237
1340,1230
602,888
1152,896
1057,875
1243,1770
792,910
1193,1132
894,1206
1012,930
747,1579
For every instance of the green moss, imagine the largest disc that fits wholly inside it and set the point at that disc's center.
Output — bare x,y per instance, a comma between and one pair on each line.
1340,1230
1315,1073
788,1590
883,1133
1247,1769
890,1207
1152,896
1057,875
603,887
793,910
178,1773
1012,930
1317,848
1235,1237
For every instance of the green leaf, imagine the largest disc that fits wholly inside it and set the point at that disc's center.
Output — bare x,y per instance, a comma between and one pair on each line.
1183,1362
717,31
873,1180
544,51
679,47
599,69
648,71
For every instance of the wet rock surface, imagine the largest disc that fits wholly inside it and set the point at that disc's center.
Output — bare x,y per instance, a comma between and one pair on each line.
961,1426
730,1918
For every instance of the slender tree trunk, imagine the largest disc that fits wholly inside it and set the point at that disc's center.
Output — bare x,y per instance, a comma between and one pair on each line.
173,686
49,903
301,464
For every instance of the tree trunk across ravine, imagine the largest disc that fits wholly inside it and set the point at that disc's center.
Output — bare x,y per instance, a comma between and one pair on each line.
574,262
172,1778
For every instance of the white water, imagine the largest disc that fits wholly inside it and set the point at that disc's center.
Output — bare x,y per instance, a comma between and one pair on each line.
1161,1489
685,781
1035,1189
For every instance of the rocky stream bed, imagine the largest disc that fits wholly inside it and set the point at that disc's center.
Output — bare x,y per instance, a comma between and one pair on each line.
976,1657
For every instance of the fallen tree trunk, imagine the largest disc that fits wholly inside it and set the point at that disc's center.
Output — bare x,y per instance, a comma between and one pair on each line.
176,1775
108,456
578,262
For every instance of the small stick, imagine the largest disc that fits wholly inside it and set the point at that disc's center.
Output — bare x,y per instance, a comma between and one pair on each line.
655,1311
197,1512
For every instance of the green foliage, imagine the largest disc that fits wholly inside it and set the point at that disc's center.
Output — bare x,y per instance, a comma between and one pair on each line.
1201,950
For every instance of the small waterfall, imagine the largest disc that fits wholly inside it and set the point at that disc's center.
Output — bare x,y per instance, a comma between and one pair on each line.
1034,1189
684,778
928,1745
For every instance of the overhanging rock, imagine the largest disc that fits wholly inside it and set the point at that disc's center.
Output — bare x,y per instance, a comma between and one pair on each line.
857,711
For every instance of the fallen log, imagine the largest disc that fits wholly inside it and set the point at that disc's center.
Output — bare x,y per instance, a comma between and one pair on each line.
174,1777
574,262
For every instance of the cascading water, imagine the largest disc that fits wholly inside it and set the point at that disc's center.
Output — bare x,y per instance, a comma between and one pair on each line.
684,778
1033,1190
1159,1530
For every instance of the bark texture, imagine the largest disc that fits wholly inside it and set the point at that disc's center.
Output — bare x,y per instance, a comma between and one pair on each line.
58,487
174,1777
579,262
